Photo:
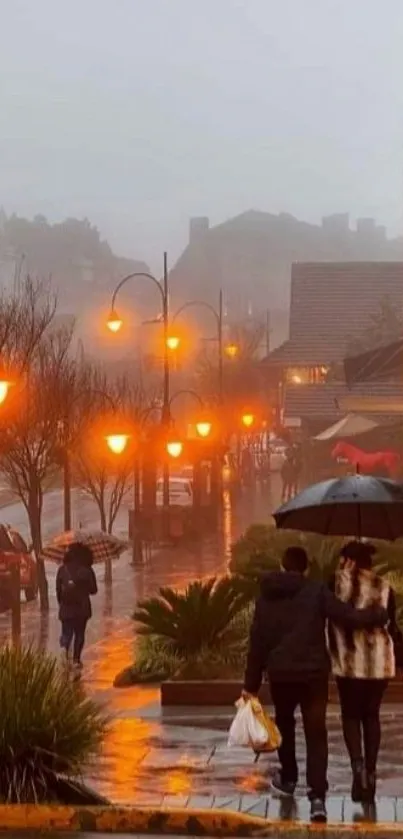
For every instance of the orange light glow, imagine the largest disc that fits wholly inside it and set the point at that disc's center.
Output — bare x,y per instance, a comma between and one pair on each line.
4,389
114,322
231,350
173,342
174,448
117,442
203,428
248,420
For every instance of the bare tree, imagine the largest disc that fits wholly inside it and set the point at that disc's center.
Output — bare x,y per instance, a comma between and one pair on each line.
24,319
241,380
31,442
106,477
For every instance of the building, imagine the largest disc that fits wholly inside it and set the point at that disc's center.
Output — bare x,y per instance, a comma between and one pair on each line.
250,257
333,305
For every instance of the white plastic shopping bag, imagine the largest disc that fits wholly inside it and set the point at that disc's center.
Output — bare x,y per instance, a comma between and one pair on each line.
246,728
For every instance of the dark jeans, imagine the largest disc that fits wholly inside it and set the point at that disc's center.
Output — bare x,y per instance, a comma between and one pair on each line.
360,701
311,696
73,631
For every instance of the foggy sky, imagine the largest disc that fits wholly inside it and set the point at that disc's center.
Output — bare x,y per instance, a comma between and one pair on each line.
141,113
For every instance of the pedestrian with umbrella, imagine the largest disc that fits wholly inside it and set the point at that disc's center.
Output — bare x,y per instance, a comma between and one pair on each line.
363,661
363,658
75,585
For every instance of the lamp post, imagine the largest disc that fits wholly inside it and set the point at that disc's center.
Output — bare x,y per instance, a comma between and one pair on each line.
218,315
115,323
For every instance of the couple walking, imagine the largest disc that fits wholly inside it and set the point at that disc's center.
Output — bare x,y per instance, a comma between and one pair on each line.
302,629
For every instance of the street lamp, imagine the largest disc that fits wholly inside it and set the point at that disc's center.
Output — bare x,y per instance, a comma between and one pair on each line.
248,420
174,448
117,443
203,428
115,323
4,390
232,350
173,342
218,314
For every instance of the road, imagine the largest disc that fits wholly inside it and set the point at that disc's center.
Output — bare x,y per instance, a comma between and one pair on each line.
110,634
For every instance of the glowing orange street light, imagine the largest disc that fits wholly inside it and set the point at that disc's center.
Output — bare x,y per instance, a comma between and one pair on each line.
114,322
174,448
248,420
231,350
4,389
173,342
117,442
203,428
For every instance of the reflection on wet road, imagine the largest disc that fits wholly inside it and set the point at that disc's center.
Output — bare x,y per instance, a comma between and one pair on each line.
137,731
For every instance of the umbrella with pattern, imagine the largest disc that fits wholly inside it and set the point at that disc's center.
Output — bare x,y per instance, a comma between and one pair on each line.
104,546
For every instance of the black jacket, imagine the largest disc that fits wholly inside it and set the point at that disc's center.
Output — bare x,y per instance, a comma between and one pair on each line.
288,638
78,607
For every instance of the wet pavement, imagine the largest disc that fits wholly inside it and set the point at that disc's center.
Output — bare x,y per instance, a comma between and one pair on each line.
178,757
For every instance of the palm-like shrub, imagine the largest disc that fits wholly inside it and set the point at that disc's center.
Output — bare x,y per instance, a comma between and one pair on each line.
48,728
201,617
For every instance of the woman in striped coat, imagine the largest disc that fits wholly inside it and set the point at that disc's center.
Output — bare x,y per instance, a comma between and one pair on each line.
362,662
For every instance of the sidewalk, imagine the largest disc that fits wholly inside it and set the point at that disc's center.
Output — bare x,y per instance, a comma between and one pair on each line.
180,759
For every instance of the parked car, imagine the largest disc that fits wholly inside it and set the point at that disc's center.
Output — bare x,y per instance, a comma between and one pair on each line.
14,548
180,492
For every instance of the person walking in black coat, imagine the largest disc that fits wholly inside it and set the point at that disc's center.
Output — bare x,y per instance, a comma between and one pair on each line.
288,641
75,585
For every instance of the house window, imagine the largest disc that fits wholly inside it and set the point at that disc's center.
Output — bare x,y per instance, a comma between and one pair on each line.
313,375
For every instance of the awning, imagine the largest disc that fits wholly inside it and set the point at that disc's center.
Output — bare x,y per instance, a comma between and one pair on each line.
350,426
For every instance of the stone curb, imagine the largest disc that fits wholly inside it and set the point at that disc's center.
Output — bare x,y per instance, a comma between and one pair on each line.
175,821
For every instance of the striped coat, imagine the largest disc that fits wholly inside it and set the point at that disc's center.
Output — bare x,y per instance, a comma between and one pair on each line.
361,654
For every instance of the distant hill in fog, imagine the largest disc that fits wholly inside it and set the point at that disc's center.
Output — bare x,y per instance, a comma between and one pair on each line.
72,253
250,256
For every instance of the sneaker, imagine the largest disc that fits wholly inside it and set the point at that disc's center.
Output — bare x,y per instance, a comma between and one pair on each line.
282,788
318,811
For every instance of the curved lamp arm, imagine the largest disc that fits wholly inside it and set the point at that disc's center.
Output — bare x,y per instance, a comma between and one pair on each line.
197,303
131,277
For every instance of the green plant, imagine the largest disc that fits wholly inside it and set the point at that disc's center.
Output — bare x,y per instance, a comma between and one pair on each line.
154,658
48,727
261,547
203,616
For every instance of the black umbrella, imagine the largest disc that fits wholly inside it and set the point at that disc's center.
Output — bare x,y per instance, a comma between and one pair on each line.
359,505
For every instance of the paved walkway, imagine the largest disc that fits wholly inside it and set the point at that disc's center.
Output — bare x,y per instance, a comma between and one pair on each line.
179,757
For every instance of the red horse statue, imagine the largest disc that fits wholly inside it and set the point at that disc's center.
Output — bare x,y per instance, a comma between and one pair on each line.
368,462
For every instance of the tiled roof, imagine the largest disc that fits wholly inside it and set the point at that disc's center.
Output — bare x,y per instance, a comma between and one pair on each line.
324,401
383,361
332,302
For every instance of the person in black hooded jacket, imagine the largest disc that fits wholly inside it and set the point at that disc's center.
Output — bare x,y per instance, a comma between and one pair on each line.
75,585
288,642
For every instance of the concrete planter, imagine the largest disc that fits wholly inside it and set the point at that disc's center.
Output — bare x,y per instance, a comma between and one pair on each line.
216,693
